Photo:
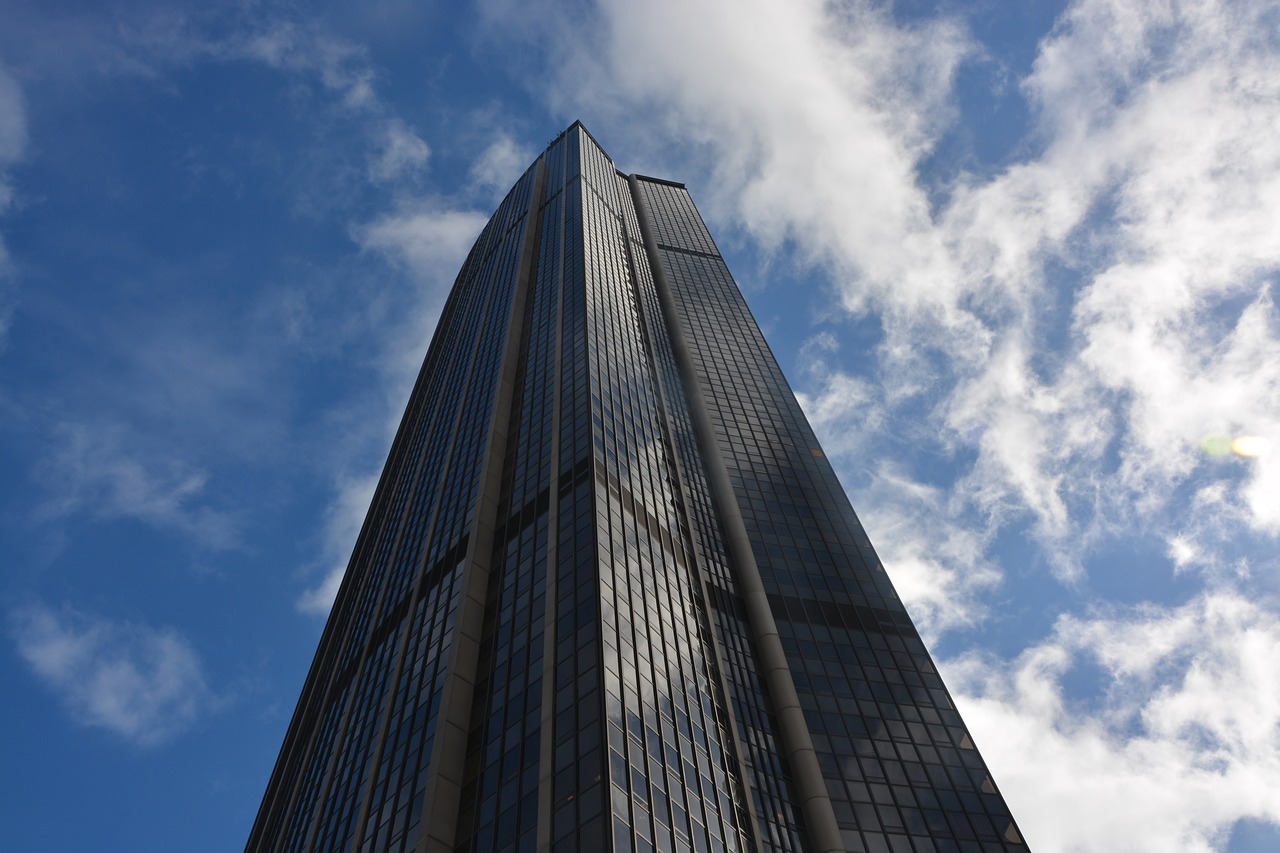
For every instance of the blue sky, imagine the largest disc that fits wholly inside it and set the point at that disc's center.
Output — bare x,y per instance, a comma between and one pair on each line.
1020,262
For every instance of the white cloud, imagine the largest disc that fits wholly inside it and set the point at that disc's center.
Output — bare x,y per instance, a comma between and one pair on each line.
429,241
145,684
13,143
1183,740
501,163
818,145
1158,179
1183,551
423,237
13,132
403,154
93,470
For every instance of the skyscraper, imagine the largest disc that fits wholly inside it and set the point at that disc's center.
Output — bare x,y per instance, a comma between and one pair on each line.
610,594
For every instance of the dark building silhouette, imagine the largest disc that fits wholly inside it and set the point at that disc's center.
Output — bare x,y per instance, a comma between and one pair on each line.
610,594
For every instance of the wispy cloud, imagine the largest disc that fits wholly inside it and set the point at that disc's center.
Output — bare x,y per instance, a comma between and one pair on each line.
403,154
427,239
330,77
424,238
343,519
13,143
940,564
13,132
95,471
341,66
501,163
145,684
1181,741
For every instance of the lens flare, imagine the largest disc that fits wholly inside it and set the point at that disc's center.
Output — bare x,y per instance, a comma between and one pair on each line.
1250,445
1216,445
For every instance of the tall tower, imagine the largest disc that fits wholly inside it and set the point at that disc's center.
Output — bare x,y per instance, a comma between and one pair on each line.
610,594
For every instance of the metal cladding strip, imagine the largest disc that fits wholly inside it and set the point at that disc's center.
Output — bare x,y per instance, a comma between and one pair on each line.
443,790
820,819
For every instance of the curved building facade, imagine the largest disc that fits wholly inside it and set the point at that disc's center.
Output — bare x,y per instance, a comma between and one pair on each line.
610,595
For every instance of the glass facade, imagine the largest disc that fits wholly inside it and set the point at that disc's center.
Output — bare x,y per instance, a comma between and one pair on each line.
610,594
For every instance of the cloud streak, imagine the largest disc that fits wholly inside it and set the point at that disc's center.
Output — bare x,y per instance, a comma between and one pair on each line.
344,518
